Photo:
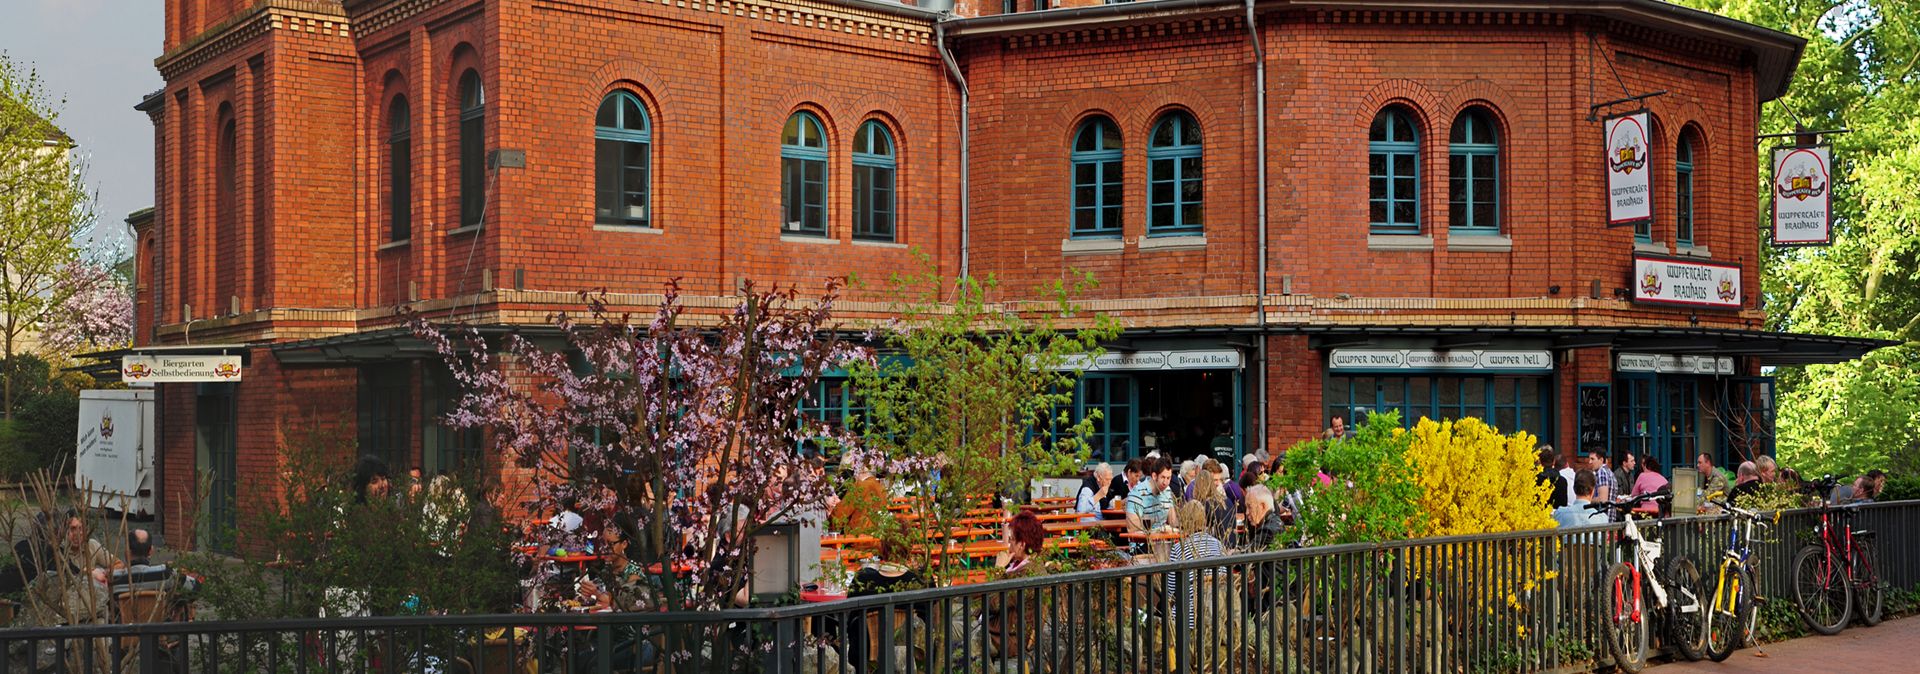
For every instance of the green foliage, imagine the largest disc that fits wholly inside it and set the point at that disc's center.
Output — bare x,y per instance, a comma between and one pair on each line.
1860,70
1375,493
45,209
1901,488
977,384
46,417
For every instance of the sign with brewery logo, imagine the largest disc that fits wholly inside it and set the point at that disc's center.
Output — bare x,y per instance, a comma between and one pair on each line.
1485,360
178,369
1708,285
1802,185
1629,170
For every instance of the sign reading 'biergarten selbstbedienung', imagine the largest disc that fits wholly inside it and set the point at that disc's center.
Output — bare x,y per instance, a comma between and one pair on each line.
1802,185
1629,170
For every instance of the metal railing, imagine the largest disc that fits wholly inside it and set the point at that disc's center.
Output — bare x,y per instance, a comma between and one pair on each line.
1520,602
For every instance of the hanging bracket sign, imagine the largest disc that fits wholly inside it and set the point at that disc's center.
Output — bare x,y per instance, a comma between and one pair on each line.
1687,283
179,369
1629,170
1802,191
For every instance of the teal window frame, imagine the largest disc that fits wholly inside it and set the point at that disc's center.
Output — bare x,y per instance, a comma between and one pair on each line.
803,176
1117,398
1473,181
1098,178
399,170
1393,173
875,183
1508,402
623,161
1175,177
1683,191
831,401
473,149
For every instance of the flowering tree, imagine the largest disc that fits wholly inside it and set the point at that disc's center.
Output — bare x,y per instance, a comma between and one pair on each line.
95,309
693,429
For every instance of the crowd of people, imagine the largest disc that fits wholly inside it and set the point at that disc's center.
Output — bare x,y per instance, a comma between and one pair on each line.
1578,482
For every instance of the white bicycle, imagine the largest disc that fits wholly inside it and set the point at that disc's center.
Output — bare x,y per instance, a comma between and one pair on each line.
1638,578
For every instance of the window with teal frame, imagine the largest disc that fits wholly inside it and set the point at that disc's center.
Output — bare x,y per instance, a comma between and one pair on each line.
399,171
1174,173
831,403
1473,180
1097,191
873,183
473,149
1393,173
623,161
1683,190
803,176
1509,403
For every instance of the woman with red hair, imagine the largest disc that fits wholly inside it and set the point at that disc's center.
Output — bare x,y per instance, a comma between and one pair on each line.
1024,537
1012,622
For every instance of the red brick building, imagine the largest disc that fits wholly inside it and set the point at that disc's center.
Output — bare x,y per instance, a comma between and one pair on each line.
1336,209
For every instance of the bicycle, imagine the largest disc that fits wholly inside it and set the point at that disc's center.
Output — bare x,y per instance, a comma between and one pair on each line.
1834,577
1730,613
1625,587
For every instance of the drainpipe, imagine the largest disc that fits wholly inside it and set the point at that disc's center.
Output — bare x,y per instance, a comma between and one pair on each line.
1260,171
960,80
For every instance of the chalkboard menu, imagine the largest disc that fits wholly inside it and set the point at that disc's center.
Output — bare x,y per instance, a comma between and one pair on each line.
1596,417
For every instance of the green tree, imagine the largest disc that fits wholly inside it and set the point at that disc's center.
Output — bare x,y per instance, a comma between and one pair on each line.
977,390
1861,70
44,210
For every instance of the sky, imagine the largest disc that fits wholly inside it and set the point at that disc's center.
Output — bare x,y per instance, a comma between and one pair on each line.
98,56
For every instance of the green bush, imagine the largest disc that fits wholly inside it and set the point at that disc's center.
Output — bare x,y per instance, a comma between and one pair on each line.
1901,489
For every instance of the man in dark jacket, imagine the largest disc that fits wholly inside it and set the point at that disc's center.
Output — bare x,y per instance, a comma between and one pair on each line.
1264,519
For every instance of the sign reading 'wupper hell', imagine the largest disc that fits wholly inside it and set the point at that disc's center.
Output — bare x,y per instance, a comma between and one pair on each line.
1710,285
179,369
1629,171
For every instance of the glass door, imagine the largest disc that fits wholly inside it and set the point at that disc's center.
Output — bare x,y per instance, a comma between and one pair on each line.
1680,403
1637,427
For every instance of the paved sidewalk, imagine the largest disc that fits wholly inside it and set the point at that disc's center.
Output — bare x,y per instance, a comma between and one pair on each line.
1889,647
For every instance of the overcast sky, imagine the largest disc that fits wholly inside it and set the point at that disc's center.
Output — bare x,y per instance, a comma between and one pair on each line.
98,56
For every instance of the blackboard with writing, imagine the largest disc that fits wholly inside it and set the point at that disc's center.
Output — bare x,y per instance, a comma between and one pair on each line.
1596,417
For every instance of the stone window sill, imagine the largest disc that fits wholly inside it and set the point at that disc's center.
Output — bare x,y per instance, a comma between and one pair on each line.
1490,243
390,245
1653,248
878,244
1399,242
1693,251
1188,242
805,238
630,229
469,229
1091,246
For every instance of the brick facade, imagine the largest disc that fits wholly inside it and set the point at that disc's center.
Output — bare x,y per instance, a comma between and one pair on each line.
281,233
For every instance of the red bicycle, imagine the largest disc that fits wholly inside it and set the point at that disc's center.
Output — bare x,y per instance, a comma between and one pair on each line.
1834,577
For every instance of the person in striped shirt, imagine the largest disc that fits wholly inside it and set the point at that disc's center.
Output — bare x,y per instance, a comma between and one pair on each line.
1195,543
1151,499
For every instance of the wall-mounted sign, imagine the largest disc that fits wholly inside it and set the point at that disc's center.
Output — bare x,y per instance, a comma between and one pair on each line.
1670,364
1802,183
1210,359
1429,360
1711,285
1629,170
179,369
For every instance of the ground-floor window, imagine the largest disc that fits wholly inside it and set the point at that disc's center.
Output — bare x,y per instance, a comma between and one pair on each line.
1518,403
449,450
385,408
1674,418
1182,414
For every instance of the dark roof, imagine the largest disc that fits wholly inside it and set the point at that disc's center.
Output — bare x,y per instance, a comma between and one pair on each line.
1776,54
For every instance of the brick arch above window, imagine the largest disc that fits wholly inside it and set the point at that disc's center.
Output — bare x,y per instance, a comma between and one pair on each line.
1066,119
630,75
1399,91
1504,107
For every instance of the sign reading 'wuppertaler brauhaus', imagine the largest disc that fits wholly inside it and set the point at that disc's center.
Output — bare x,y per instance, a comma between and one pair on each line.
1802,185
1629,171
1691,283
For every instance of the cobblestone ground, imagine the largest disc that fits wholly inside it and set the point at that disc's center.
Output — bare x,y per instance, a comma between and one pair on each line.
1893,646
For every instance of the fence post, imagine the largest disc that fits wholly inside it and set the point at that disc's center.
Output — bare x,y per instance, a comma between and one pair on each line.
149,654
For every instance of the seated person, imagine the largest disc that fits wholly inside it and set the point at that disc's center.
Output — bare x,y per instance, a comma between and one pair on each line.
72,589
142,574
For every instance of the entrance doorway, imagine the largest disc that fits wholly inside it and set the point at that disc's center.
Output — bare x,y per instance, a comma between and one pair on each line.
1191,413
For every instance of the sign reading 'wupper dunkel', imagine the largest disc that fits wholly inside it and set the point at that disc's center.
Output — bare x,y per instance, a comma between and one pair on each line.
1629,171
1710,285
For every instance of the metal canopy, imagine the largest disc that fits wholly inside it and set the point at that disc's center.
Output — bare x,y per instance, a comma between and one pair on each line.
1771,348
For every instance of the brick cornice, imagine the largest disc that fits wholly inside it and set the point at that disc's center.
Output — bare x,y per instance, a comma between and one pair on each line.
318,17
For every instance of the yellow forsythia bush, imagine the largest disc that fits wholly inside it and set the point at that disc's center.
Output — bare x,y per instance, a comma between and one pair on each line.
1473,480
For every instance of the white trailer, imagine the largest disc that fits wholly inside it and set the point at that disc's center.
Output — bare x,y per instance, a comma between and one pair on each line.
113,461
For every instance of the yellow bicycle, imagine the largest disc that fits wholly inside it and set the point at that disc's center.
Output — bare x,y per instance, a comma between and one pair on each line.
1730,614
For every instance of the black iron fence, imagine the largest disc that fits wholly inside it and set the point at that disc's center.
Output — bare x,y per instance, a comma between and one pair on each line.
1487,603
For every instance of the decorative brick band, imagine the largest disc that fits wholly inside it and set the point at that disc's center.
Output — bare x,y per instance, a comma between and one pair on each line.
301,16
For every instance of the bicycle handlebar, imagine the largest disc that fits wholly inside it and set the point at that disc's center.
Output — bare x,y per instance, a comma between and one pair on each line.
1630,504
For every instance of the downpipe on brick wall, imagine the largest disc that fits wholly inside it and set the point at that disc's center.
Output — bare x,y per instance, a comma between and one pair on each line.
960,80
1260,169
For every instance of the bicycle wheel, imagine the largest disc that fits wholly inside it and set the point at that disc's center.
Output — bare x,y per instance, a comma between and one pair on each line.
1623,622
1869,594
1820,590
1686,618
1731,612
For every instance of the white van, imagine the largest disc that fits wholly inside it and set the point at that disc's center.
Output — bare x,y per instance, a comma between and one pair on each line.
113,462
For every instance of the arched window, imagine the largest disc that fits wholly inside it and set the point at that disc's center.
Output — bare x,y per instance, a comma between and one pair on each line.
1174,171
873,182
1473,183
1393,174
473,149
803,176
1096,179
399,171
623,161
1683,190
